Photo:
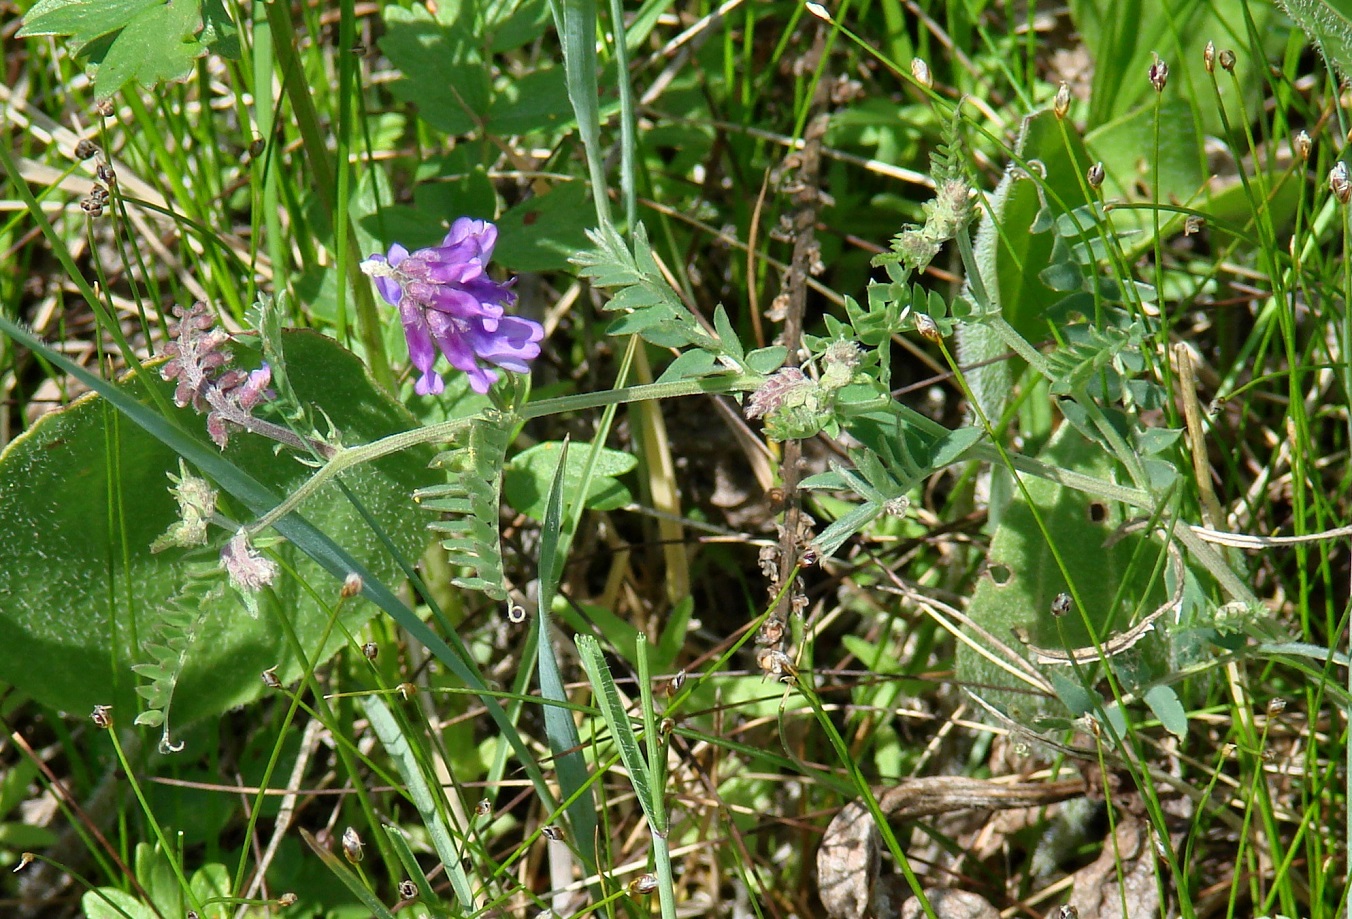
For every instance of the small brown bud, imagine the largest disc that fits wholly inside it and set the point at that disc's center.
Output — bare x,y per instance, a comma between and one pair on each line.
552,833
921,72
667,726
1209,57
643,884
256,148
408,890
1095,176
370,650
483,808
105,108
677,682
1159,75
102,716
1301,145
1061,604
1061,104
928,328
106,174
352,586
270,679
1339,183
771,631
287,899
407,690
352,847
1275,707
1227,60
85,148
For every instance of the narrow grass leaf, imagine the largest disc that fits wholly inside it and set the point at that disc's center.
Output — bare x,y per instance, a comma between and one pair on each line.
391,736
564,741
617,719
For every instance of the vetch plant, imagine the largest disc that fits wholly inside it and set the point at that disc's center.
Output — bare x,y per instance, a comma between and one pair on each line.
447,302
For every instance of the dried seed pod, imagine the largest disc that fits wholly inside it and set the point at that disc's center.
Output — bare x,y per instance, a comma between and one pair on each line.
1301,145
102,716
91,206
928,328
1276,706
1095,176
921,72
408,890
1339,183
1159,75
370,650
484,808
1209,57
775,663
1061,104
1227,60
1193,224
643,884
771,631
407,690
287,899
105,173
552,833
352,585
1061,604
352,847
676,684
105,108
270,679
85,148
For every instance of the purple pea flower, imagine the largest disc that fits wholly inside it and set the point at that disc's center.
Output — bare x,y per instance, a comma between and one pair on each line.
448,303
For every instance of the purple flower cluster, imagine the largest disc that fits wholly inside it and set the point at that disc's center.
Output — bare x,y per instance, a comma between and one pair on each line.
448,303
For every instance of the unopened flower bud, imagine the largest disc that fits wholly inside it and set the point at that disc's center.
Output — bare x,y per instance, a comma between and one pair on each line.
370,650
643,884
352,585
1276,706
105,108
1095,176
1339,183
1227,60
1061,104
1209,57
106,174
1301,145
85,148
1159,75
928,328
102,716
352,847
921,72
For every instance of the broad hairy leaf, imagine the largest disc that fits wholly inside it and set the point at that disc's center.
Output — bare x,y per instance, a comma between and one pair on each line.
84,493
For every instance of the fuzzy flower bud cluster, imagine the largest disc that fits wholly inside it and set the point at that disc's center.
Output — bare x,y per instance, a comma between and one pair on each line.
199,363
796,406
